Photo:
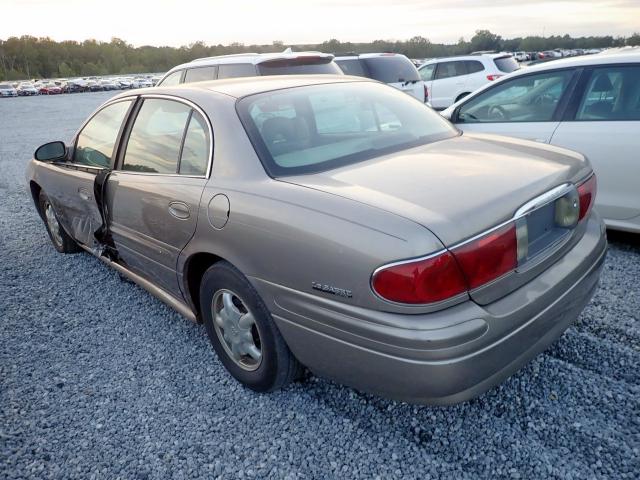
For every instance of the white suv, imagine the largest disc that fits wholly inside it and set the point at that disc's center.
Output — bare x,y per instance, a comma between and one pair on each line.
391,68
452,78
251,65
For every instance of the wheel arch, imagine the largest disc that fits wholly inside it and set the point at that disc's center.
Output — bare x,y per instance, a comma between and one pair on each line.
35,189
194,268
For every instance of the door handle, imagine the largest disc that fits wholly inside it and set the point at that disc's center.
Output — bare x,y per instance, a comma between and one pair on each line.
179,210
84,194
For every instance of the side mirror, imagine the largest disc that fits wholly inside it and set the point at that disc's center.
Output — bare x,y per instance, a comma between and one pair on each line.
50,152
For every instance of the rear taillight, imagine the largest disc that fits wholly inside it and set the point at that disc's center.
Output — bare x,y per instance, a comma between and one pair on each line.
491,78
488,257
426,280
587,193
426,93
450,273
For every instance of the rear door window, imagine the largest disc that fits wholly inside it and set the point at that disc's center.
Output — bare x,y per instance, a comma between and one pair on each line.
612,93
474,66
201,74
195,151
236,70
156,137
391,69
451,69
96,141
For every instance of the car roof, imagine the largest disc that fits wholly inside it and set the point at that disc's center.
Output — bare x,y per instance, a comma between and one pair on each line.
253,58
242,86
471,56
623,55
354,56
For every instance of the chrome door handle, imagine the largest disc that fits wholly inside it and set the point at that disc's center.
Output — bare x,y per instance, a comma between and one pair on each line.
84,194
179,210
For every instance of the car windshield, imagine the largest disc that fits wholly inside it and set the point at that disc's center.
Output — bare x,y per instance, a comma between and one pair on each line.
5,86
506,64
299,66
319,127
391,69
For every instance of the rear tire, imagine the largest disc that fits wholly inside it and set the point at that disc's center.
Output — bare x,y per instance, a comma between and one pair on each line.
61,241
242,332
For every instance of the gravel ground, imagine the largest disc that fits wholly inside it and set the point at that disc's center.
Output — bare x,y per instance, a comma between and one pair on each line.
100,380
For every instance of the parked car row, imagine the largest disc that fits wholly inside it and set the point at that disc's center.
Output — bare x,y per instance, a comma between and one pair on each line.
75,85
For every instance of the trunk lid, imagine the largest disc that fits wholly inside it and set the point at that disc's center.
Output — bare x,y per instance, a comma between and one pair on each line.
456,188
462,187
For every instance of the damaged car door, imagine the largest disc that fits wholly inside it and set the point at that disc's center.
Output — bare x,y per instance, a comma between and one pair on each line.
153,194
70,183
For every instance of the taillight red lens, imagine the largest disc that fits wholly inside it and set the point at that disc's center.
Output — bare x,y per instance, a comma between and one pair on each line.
587,193
422,281
488,257
491,78
426,93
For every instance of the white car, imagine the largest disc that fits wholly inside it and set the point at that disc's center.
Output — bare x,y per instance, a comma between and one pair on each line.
394,69
590,104
521,56
7,90
251,65
452,78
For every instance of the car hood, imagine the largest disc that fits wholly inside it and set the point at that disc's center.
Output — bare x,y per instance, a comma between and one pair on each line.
456,188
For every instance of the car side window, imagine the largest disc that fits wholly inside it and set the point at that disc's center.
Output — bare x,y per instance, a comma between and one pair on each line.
474,66
236,70
173,79
201,74
612,93
96,141
195,151
156,137
530,98
426,72
450,69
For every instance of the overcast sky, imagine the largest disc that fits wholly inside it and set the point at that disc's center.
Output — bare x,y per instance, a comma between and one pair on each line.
180,22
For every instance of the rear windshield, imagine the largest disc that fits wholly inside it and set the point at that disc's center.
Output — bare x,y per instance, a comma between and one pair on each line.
506,64
391,69
319,127
299,66
352,67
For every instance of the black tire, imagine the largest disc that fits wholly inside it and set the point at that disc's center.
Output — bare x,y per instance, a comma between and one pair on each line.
63,243
278,367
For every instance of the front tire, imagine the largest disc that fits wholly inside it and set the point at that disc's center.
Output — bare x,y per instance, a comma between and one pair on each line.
242,332
61,241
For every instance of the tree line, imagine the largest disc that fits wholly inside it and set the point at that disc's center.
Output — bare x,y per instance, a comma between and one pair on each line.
31,57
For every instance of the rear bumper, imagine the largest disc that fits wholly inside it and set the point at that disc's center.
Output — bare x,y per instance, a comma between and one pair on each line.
444,357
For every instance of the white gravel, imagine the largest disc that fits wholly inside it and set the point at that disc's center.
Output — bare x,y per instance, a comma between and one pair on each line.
100,380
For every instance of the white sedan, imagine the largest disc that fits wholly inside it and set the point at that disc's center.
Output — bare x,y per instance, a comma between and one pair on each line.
589,104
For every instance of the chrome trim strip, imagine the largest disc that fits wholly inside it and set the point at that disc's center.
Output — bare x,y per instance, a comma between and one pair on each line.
153,289
543,199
